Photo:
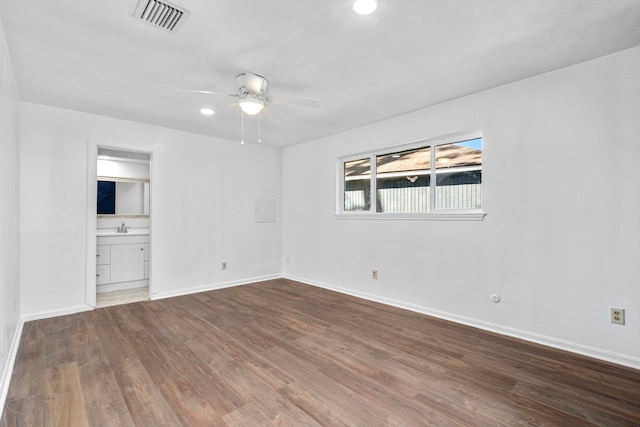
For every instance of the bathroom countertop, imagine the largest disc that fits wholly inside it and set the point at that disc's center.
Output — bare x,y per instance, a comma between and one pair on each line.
130,232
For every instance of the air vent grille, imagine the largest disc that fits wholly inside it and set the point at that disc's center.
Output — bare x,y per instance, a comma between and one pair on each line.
161,14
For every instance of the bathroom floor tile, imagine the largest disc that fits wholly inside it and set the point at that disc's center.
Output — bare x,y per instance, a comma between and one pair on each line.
126,296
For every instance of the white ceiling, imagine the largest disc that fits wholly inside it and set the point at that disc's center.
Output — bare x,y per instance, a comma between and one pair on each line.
92,56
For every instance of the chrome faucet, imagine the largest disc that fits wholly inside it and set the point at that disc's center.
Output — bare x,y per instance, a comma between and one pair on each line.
122,229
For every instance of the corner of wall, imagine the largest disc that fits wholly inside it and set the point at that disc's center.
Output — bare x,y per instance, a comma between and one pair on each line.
10,323
5,380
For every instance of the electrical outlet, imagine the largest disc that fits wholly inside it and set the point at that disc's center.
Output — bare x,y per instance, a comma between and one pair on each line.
224,265
374,274
617,316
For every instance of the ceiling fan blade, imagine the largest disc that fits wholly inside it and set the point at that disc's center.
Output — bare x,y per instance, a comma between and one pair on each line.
275,115
206,92
295,101
255,83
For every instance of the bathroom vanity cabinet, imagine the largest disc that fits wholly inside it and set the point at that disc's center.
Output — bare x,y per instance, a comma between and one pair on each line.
122,262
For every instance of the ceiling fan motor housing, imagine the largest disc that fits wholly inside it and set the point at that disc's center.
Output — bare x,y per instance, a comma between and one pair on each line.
251,84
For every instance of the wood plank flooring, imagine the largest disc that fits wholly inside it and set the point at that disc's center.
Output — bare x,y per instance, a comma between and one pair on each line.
288,354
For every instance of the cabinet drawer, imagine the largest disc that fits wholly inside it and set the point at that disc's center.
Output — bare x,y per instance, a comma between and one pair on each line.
103,254
103,274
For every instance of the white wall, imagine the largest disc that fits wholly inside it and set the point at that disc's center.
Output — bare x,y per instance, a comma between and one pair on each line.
202,199
9,218
560,243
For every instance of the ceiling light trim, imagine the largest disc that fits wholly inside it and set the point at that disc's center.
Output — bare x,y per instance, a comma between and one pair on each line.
161,14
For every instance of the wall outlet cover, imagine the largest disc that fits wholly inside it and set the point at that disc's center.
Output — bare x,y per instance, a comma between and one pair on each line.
616,315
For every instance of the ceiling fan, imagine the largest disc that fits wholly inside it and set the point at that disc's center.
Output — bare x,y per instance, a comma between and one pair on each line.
252,95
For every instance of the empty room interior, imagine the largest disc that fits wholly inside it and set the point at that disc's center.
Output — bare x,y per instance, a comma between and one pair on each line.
305,213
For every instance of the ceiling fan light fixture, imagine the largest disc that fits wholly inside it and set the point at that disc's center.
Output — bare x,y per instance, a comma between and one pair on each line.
251,106
365,7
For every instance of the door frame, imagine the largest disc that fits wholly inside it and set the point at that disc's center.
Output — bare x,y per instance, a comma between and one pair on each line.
92,194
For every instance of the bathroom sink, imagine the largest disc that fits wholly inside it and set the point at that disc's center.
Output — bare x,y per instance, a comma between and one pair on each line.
130,232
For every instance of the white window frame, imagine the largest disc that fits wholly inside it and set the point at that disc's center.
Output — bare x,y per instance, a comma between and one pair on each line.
437,215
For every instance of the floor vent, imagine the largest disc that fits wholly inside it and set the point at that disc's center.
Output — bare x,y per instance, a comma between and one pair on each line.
161,14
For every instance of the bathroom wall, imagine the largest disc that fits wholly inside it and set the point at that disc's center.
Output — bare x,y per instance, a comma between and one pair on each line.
9,218
559,242
203,196
122,169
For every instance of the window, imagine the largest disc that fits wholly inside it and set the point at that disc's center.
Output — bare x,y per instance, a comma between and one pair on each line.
106,197
429,179
357,188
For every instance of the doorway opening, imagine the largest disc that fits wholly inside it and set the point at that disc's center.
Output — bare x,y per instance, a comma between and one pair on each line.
121,210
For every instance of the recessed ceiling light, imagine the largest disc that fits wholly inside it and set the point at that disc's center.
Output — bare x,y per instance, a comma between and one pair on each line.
365,7
206,111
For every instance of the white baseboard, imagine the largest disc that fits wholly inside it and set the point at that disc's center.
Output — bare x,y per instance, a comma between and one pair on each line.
56,313
596,353
8,368
213,286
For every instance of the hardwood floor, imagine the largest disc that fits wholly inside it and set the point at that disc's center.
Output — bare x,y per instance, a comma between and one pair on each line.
287,354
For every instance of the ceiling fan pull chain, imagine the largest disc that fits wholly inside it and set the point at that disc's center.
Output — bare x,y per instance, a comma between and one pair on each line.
242,125
259,128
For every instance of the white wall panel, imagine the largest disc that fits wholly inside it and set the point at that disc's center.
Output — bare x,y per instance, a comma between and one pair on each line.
560,240
202,197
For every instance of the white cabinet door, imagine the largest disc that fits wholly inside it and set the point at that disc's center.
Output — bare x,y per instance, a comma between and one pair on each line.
127,262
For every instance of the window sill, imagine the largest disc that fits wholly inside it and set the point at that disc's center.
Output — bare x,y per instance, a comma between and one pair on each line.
440,216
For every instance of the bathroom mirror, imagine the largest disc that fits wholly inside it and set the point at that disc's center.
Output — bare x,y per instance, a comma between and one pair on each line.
122,197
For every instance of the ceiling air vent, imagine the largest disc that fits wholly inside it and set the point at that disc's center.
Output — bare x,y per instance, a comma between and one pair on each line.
162,14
